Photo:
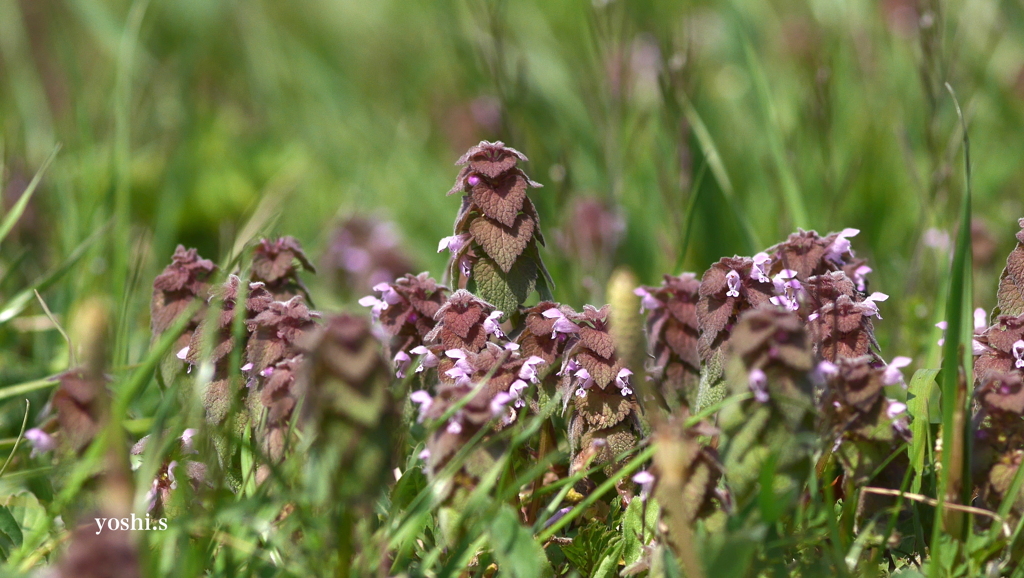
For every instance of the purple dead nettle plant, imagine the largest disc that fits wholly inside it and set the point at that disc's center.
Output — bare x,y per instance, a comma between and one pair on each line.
182,459
276,263
999,388
276,320
672,333
185,281
494,245
363,252
405,311
597,387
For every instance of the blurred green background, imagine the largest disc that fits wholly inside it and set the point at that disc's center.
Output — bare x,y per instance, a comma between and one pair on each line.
178,119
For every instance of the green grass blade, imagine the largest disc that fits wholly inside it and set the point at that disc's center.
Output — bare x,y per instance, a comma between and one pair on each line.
714,161
19,207
791,193
956,352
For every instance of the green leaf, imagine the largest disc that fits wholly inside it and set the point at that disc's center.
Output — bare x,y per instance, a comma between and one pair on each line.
517,553
920,391
587,547
506,291
10,533
638,525
30,516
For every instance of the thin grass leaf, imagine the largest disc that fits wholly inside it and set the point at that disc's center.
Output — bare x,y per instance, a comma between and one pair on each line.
17,304
790,188
956,357
19,207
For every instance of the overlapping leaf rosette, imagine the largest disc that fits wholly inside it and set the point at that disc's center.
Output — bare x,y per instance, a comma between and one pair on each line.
406,310
185,281
276,263
348,411
474,357
865,426
215,338
820,278
999,389
494,245
604,420
769,355
672,334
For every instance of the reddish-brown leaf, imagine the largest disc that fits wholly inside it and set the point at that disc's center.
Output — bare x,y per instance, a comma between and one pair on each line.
502,244
501,199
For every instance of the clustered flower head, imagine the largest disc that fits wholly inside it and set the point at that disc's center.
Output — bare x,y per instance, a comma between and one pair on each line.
598,385
363,252
406,309
181,460
494,245
855,412
219,338
999,387
672,333
769,356
183,282
276,320
276,264
348,410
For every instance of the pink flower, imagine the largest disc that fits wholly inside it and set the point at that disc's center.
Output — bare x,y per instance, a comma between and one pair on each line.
422,399
872,305
1018,353
645,480
454,243
892,374
473,180
622,381
570,368
492,326
466,266
454,428
516,391
647,301
895,408
424,455
762,262
758,382
980,319
732,279
388,297
186,441
388,293
841,245
562,323
529,369
587,382
429,359
824,370
858,277
41,441
402,361
942,325
498,403
788,287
